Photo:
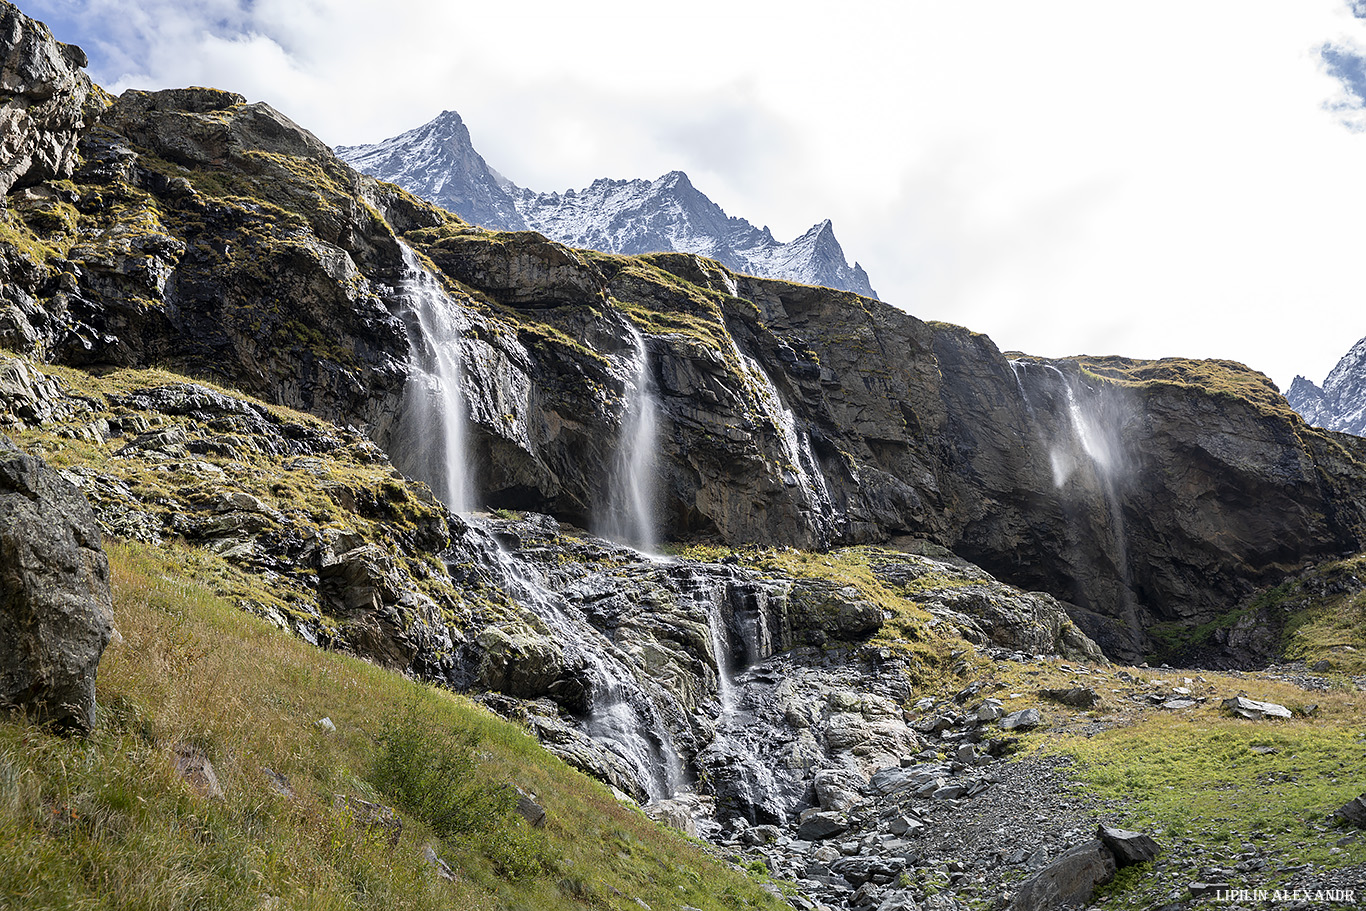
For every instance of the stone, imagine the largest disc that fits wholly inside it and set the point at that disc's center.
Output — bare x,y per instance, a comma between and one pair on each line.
1082,697
325,725
1176,704
990,710
818,826
56,612
1354,811
1071,879
1129,848
1022,720
193,766
442,868
1253,709
675,814
531,810
1198,889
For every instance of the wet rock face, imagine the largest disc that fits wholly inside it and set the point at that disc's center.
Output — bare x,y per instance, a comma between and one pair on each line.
43,92
56,614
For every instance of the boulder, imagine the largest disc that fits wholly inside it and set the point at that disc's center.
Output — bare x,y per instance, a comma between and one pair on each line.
1069,880
530,809
817,826
1254,710
56,613
1081,697
1354,811
1022,720
1128,847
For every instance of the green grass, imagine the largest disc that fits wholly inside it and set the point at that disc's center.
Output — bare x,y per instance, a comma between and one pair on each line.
105,822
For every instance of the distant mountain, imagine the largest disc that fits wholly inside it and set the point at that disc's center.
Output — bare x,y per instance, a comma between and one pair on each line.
438,162
1340,404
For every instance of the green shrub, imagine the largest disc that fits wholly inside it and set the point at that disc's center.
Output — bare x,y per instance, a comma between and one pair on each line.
436,776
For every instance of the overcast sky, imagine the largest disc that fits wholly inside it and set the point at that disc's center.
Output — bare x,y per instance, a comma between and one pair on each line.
1171,178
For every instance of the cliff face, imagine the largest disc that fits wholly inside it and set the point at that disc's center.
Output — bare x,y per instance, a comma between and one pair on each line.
218,238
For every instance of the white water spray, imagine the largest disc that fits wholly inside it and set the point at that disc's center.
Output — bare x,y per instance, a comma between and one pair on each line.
1094,433
429,442
631,505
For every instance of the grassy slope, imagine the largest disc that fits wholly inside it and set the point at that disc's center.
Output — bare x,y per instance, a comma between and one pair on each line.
108,823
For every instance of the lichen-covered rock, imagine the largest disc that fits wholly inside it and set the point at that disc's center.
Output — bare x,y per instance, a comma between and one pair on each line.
56,614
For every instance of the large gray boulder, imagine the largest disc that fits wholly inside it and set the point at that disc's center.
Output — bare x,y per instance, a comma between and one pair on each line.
56,614
43,92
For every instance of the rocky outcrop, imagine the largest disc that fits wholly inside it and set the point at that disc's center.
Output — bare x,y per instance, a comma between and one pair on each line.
1340,404
56,614
43,96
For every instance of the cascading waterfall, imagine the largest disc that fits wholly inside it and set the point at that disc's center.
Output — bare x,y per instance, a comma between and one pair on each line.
1094,435
631,506
622,716
802,470
429,442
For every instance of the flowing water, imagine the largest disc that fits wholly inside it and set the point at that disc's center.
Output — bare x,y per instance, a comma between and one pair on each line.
801,470
622,716
429,442
1092,433
630,515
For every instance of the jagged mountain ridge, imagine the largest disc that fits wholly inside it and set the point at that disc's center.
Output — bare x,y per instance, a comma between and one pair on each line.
438,162
1340,404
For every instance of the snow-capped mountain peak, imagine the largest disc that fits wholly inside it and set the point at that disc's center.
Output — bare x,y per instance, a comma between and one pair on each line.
1341,403
438,162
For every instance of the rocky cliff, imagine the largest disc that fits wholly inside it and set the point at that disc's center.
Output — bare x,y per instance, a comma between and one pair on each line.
1340,404
438,162
216,237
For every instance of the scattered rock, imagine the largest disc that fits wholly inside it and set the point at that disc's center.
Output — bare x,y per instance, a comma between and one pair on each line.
1251,708
371,817
443,869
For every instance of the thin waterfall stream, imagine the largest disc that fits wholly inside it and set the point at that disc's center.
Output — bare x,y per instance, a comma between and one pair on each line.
429,442
630,510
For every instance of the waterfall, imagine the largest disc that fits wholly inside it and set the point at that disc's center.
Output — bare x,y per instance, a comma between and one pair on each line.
622,716
801,469
1092,433
631,504
720,649
429,442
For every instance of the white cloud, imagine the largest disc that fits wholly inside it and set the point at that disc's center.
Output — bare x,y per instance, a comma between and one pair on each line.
1065,175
